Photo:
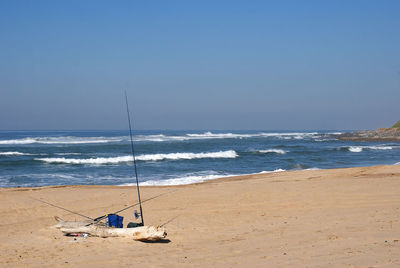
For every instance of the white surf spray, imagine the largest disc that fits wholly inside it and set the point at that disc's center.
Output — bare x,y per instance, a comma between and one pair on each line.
60,140
276,151
13,153
187,156
358,149
147,157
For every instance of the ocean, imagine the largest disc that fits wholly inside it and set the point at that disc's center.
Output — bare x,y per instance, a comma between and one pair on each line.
42,158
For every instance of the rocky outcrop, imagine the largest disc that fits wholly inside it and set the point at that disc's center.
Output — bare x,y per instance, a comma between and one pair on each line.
397,125
382,134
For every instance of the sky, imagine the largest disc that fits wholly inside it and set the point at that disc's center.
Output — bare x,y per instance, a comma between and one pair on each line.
199,65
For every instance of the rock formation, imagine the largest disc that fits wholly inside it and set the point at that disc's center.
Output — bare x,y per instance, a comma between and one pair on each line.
382,134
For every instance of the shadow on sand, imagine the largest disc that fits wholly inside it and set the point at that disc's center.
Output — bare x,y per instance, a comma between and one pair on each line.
162,241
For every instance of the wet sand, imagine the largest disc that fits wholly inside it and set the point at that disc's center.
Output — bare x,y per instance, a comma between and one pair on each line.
315,218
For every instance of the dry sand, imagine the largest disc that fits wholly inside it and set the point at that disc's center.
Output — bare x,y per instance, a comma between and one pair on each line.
320,218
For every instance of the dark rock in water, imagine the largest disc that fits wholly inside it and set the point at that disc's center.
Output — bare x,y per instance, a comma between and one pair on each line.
382,134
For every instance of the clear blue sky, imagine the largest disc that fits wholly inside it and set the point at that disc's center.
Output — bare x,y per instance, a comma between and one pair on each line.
200,64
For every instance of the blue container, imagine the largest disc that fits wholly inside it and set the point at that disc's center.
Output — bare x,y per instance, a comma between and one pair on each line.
115,220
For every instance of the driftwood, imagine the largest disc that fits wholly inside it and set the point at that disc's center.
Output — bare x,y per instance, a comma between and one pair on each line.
144,233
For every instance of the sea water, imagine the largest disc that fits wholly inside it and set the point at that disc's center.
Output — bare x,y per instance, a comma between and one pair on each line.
39,158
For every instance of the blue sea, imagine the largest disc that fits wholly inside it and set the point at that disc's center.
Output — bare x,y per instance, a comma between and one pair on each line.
41,158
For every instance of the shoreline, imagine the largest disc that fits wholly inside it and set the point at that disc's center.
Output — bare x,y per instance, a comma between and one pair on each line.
228,177
327,217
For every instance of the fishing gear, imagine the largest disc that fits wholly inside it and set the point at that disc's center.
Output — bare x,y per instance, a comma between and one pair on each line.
134,160
165,223
151,198
103,216
119,218
70,211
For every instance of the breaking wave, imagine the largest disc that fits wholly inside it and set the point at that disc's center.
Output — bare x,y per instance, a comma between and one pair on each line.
276,151
60,140
211,135
190,179
159,138
276,170
19,141
95,161
194,178
358,149
68,153
187,156
355,149
13,153
178,181
148,157
194,136
163,138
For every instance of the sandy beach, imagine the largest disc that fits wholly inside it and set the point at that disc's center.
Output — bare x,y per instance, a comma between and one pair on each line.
315,218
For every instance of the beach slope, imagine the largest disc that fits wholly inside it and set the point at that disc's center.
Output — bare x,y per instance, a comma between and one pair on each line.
314,218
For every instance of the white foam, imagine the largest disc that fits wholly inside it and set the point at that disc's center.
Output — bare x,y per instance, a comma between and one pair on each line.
398,163
325,139
61,140
379,147
276,170
358,149
192,136
19,141
192,179
95,161
178,156
159,138
272,134
68,153
277,151
148,157
76,140
355,149
228,135
290,135
13,153
210,135
178,181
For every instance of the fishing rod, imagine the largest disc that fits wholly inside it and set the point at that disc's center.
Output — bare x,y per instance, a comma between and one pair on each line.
104,216
70,211
134,159
165,223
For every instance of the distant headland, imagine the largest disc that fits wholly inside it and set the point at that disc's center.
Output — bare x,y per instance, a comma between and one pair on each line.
381,134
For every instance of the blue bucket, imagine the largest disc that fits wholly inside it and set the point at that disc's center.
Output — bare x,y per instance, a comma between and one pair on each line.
115,220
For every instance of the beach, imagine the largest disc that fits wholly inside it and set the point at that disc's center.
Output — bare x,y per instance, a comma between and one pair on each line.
310,218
